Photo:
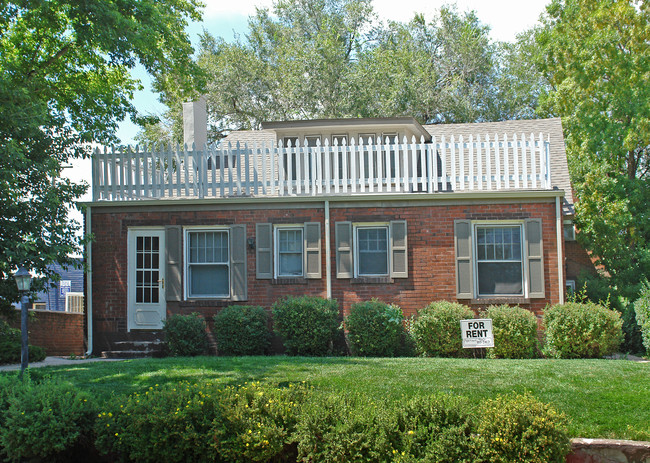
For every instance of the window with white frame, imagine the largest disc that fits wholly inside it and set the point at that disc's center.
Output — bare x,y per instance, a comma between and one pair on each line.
371,245
569,231
289,249
499,262
207,263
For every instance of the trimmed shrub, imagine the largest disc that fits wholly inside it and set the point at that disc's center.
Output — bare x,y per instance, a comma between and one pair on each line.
307,325
581,330
242,330
259,422
436,329
375,329
515,332
48,421
435,428
172,424
186,335
11,346
203,422
520,428
642,311
346,427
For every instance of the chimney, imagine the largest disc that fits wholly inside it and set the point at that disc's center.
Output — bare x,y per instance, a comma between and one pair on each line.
195,123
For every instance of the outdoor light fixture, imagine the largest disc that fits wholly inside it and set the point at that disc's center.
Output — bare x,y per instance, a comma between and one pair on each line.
23,280
251,243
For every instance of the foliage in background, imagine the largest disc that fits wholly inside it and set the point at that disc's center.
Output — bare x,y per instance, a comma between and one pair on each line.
515,332
46,421
336,58
436,329
307,325
581,330
375,329
11,345
64,83
186,335
242,330
594,55
642,310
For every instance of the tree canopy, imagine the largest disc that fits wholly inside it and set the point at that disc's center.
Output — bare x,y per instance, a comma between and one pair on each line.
595,55
64,83
335,58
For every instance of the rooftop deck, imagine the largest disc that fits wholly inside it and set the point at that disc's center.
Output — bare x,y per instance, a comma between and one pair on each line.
454,164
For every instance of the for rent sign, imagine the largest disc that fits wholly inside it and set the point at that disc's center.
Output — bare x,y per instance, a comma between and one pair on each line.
477,333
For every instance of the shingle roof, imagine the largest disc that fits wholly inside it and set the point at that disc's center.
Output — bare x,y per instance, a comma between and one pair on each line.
551,128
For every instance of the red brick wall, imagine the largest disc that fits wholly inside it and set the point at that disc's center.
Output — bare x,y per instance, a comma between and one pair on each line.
60,333
431,261
578,261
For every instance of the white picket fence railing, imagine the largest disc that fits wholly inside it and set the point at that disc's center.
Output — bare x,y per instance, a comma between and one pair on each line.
376,166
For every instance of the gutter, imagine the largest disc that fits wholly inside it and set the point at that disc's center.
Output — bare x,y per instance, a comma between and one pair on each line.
89,284
328,251
560,256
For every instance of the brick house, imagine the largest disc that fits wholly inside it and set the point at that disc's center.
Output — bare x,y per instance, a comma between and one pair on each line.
345,208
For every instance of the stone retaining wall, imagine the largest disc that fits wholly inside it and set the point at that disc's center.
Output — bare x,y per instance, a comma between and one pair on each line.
608,451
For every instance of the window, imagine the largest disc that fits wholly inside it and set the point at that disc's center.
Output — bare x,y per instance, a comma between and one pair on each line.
569,231
570,287
288,251
499,265
289,245
208,263
499,259
372,251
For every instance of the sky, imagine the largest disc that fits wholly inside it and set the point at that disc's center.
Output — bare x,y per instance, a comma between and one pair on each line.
225,19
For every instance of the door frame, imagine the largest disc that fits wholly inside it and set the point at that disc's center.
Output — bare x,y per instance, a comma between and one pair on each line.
133,233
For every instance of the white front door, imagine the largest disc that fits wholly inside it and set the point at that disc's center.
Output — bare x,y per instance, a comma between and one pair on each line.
146,275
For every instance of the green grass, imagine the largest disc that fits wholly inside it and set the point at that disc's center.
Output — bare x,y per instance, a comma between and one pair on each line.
602,398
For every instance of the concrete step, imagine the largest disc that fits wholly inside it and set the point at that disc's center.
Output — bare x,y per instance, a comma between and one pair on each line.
135,349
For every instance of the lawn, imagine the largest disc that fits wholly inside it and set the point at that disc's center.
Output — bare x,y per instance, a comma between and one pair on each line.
602,398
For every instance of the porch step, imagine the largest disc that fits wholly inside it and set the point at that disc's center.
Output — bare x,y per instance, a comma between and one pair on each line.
135,349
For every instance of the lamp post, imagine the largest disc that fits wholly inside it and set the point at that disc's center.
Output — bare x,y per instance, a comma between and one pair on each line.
23,281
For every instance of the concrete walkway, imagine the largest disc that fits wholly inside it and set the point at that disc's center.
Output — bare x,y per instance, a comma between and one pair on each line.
57,361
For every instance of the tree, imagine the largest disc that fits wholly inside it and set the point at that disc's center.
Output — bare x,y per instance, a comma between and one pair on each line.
332,58
65,83
595,56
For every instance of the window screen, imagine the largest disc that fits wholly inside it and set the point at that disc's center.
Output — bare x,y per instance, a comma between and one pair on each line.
208,260
499,261
372,251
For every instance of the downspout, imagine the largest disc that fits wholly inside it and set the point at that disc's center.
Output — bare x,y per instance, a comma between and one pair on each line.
89,284
328,251
560,257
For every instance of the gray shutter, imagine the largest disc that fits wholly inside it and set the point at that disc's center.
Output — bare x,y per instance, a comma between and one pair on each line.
398,249
264,251
173,263
312,250
343,232
238,283
535,258
464,264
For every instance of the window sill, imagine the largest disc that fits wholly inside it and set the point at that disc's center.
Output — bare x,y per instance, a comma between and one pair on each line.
500,300
372,281
289,281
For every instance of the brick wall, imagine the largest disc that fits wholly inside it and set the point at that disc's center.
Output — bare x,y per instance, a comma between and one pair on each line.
431,261
578,261
60,333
